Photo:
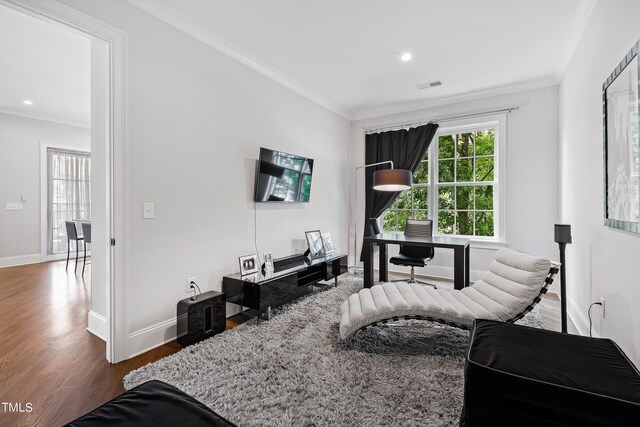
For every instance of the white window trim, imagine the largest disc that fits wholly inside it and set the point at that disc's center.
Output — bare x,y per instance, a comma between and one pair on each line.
44,185
497,121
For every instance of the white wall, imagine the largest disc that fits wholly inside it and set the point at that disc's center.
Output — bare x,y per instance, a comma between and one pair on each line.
531,174
601,261
20,139
196,121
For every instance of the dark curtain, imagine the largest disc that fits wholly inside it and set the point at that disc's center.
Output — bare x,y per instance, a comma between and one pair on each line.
405,148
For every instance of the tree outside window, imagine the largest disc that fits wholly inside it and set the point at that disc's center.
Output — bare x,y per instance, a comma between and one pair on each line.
460,198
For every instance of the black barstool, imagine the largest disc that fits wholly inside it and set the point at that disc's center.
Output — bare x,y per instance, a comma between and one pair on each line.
86,235
72,234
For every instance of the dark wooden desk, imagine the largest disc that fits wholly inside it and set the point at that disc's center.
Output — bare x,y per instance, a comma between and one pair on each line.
459,245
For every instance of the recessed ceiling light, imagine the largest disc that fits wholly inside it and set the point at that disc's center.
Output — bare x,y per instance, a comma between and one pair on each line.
27,102
406,57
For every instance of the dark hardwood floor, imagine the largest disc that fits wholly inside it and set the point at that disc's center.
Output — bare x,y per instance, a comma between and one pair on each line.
47,356
50,360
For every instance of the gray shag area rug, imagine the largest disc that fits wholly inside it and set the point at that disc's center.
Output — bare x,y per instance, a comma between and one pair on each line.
294,371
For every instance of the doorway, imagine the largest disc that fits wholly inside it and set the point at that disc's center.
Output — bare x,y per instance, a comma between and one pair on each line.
108,204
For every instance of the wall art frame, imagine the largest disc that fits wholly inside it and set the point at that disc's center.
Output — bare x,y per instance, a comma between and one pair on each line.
621,136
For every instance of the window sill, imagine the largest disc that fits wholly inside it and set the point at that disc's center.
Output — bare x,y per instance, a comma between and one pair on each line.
488,244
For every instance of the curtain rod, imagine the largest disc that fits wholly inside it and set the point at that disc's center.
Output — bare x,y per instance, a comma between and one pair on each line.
69,151
400,125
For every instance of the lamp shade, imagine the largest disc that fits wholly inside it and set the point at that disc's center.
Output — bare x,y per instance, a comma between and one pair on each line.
392,180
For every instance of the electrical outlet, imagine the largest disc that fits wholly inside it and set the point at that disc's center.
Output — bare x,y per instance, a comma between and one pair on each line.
189,288
602,302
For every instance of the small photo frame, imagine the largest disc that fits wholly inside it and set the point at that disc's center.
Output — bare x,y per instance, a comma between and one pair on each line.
268,261
314,240
253,277
248,264
327,243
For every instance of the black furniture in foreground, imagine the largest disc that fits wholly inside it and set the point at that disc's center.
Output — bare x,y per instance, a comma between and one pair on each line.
415,256
291,278
459,245
200,317
152,404
521,376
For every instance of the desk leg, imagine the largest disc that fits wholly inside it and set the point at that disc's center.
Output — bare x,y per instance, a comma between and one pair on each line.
382,267
467,275
460,268
368,266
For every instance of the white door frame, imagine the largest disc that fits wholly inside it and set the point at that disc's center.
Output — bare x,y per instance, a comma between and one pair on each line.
116,43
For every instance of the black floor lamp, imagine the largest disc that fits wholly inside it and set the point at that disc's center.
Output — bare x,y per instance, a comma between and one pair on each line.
383,180
562,237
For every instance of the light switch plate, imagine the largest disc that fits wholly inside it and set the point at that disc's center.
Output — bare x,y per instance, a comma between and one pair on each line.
148,211
14,206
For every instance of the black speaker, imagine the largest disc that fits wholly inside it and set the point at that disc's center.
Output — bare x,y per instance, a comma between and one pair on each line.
562,233
201,317
563,237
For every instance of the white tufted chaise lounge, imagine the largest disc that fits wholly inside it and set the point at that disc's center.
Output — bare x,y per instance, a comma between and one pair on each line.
512,286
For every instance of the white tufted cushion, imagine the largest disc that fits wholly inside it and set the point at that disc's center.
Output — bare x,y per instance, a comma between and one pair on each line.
513,281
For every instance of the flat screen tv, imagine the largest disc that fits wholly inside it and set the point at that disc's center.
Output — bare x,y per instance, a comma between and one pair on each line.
283,177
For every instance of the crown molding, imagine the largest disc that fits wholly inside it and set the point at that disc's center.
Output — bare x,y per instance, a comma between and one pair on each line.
405,107
46,117
173,18
197,31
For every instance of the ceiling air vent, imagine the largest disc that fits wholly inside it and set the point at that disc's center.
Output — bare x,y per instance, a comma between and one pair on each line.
427,85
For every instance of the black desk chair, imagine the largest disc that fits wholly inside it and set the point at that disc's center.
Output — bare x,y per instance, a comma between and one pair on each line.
72,234
86,235
412,256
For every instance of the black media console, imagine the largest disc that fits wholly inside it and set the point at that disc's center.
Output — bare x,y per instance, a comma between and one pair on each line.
292,278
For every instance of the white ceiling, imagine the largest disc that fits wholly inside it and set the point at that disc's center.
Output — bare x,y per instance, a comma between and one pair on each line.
346,54
46,64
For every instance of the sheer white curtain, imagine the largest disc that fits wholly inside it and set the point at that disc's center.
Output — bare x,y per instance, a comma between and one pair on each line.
68,195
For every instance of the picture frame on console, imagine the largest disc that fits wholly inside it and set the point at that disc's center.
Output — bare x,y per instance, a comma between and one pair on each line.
328,243
248,264
316,246
268,261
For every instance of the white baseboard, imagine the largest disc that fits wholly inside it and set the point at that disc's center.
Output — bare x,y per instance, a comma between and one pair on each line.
156,335
151,337
97,325
579,319
233,309
439,272
11,261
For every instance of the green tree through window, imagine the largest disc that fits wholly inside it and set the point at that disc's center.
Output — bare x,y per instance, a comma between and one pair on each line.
463,187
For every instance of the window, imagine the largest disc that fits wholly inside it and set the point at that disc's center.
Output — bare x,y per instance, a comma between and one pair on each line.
456,184
68,194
